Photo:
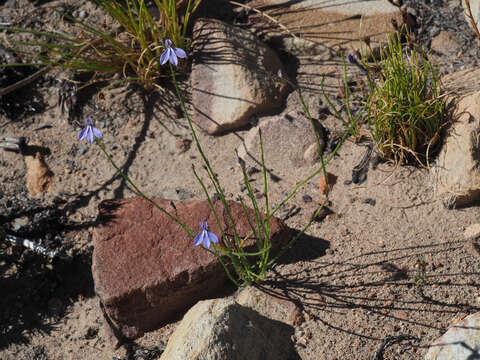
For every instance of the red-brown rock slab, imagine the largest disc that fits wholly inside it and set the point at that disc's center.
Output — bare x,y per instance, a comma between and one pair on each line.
145,266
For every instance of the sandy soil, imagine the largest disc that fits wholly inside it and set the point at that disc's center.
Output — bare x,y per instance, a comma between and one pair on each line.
389,260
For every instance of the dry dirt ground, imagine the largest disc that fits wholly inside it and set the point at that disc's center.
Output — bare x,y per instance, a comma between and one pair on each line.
390,260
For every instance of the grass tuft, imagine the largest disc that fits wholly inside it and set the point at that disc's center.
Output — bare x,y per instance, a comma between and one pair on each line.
406,108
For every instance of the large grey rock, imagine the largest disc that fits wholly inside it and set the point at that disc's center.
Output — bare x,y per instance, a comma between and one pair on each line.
234,76
221,329
322,24
288,141
145,267
460,342
457,170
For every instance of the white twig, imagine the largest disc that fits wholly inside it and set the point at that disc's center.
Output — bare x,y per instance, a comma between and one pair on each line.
31,245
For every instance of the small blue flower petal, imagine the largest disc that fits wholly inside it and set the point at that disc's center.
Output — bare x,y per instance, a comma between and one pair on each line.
173,58
213,238
205,237
179,52
89,132
171,53
164,57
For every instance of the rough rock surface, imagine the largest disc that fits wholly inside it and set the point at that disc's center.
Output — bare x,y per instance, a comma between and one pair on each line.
234,76
145,267
38,177
321,24
457,170
222,329
285,139
272,306
460,342
444,43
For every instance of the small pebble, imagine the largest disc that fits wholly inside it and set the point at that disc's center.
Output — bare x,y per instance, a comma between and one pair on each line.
307,198
101,124
370,201
82,150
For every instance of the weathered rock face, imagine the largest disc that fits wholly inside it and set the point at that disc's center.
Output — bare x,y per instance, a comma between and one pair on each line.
39,177
460,342
444,43
234,75
286,140
457,170
222,329
321,24
145,267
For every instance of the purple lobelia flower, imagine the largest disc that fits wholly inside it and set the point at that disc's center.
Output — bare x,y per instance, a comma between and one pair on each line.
351,59
205,237
89,131
171,54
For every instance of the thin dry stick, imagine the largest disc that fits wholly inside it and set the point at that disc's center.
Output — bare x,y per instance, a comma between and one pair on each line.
6,90
472,20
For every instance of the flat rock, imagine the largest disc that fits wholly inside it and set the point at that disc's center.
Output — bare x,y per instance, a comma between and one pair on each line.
234,76
460,342
457,170
145,266
445,43
322,24
272,306
222,329
286,140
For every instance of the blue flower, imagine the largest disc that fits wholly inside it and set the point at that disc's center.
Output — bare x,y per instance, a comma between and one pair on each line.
171,54
89,131
204,237
351,59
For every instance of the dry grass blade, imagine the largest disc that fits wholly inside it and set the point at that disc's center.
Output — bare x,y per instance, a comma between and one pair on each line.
472,20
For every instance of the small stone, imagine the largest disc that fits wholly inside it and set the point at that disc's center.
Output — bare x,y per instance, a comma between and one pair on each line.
183,145
68,171
370,201
101,124
331,180
472,231
82,150
307,198
82,14
444,43
311,155
310,213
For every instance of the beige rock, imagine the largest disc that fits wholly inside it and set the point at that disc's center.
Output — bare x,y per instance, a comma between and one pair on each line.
444,43
319,24
472,231
285,140
222,329
457,170
270,306
234,76
39,177
460,342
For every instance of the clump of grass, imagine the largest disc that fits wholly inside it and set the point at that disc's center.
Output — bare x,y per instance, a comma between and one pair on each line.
133,52
405,107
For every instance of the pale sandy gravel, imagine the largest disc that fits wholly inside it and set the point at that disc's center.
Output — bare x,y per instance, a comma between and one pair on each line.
346,292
